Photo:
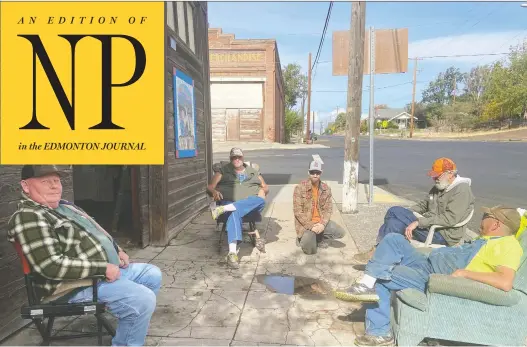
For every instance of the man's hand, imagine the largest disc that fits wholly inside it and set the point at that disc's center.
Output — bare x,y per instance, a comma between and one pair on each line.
410,230
217,196
112,272
261,193
125,259
460,273
318,228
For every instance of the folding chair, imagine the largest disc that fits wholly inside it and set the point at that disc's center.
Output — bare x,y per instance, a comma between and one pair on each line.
37,311
252,218
428,243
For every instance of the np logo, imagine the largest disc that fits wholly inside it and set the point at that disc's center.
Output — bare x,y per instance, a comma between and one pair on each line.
83,85
68,105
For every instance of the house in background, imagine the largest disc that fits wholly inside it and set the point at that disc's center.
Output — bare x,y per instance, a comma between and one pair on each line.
395,115
247,92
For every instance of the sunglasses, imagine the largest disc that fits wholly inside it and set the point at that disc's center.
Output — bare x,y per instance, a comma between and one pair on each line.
314,172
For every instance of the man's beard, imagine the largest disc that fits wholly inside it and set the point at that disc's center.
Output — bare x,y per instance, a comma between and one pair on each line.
442,185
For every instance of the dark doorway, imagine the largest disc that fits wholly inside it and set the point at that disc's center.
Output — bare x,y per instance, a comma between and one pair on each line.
106,193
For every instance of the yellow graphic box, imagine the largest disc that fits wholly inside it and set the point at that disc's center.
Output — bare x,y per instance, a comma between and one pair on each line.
82,83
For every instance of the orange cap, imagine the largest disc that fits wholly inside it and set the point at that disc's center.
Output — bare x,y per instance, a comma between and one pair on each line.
440,166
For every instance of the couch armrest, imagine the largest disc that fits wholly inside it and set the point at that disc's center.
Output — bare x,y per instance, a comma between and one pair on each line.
471,290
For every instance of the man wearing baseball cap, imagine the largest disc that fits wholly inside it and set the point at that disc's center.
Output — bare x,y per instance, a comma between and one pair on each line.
64,245
493,259
449,202
313,206
239,189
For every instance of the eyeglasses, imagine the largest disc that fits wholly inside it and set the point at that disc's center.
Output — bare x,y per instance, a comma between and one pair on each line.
236,157
313,173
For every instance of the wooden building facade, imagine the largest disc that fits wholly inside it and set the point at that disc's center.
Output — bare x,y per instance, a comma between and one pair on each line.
247,93
147,205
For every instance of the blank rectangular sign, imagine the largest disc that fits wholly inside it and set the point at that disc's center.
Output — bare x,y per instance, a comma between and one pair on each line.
391,51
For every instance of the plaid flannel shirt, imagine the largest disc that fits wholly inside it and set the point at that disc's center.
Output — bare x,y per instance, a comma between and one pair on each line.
57,249
303,205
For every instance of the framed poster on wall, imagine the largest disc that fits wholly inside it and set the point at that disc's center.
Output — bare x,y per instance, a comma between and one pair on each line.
184,115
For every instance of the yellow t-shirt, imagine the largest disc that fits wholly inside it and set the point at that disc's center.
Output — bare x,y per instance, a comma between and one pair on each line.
504,251
523,224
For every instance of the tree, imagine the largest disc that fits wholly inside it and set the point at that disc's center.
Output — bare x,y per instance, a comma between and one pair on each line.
293,123
295,85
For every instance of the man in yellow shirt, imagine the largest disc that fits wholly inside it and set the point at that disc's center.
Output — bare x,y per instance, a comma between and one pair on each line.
493,259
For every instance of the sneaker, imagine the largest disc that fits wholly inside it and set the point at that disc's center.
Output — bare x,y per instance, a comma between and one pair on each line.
260,244
322,244
218,211
370,340
363,258
358,292
232,260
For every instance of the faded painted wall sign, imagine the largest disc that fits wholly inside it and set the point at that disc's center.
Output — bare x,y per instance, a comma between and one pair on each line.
236,57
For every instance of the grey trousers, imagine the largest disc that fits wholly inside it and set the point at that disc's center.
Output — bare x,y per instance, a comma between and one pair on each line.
309,241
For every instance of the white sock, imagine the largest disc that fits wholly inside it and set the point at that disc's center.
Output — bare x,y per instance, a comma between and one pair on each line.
232,247
368,281
229,208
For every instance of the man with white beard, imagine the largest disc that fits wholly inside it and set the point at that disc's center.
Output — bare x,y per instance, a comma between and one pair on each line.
449,202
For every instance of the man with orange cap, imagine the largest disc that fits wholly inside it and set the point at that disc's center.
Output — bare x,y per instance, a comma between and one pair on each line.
449,202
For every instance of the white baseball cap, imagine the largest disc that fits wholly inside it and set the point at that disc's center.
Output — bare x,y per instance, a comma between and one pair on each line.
315,166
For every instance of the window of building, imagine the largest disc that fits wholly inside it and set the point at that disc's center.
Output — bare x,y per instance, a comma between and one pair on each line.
171,21
180,18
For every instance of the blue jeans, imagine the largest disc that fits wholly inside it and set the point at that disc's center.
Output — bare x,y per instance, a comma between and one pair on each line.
398,218
131,298
243,207
397,265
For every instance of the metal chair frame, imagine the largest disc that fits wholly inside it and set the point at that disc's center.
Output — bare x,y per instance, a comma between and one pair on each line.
38,311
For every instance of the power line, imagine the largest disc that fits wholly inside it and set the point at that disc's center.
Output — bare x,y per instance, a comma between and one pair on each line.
322,38
365,89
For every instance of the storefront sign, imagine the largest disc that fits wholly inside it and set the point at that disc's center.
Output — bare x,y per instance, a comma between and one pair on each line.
237,57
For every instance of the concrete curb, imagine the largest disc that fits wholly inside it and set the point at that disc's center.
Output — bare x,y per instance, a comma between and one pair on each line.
263,147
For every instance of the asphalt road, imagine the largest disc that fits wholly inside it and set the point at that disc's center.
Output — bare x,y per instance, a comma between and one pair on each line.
498,169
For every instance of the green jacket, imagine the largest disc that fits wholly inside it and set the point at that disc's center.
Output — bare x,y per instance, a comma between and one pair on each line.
232,189
447,208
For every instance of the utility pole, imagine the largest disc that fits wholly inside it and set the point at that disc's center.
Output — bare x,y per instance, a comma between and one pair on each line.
372,110
350,191
413,99
308,97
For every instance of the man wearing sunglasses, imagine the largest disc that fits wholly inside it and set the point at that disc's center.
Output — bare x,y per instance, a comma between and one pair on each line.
313,206
493,259
449,202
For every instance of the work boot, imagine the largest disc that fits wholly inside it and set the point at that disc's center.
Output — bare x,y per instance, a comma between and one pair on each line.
232,260
371,340
363,258
260,244
323,244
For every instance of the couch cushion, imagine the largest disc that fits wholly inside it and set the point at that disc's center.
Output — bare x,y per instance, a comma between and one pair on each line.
414,298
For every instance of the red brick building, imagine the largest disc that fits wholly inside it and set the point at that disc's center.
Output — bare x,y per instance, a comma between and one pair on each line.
247,95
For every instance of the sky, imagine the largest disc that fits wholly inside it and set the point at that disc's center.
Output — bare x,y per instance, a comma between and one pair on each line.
434,28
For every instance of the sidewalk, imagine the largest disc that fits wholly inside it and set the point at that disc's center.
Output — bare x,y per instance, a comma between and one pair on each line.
225,147
202,302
